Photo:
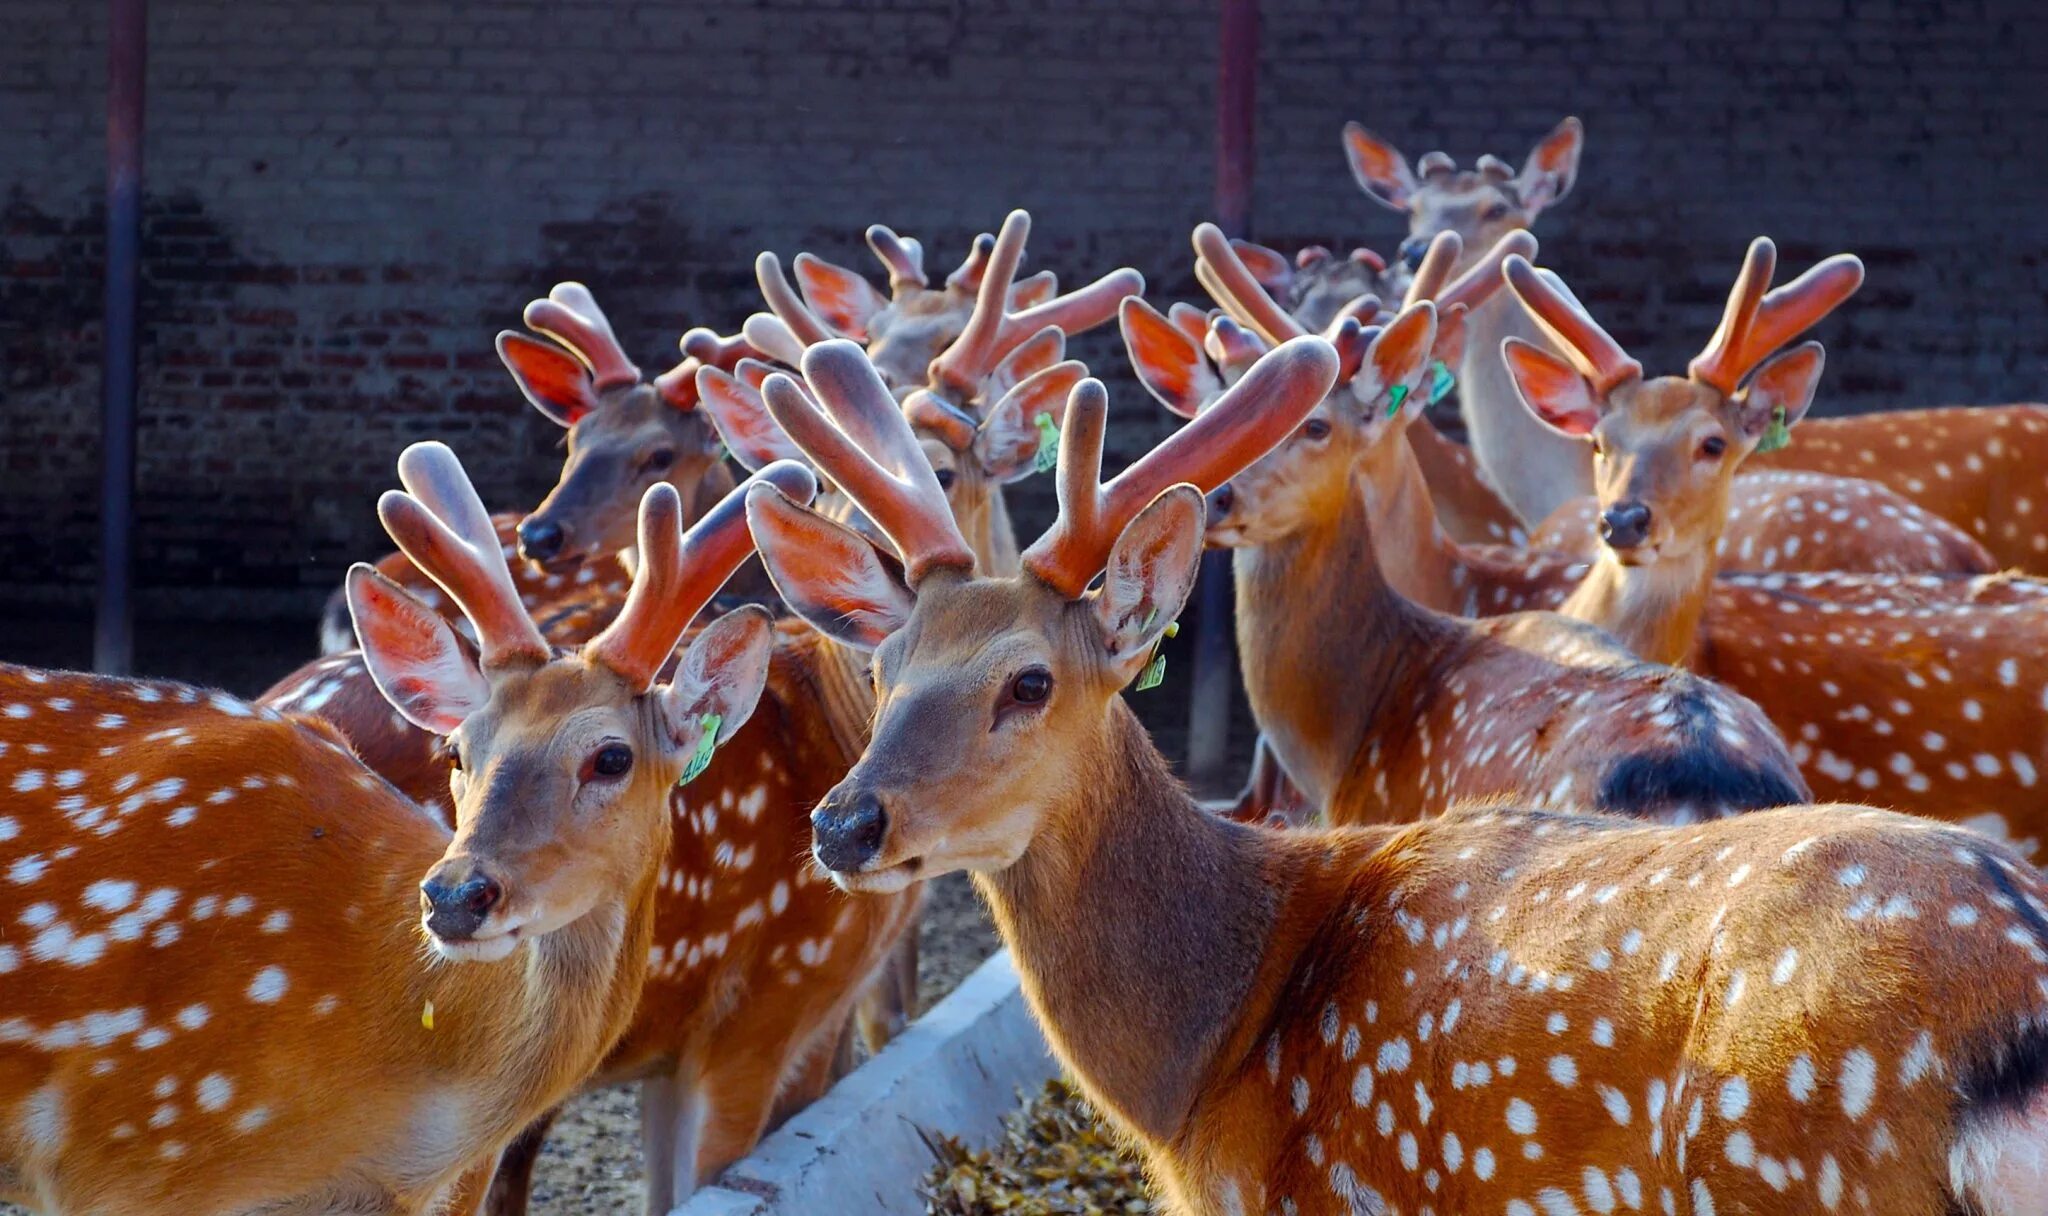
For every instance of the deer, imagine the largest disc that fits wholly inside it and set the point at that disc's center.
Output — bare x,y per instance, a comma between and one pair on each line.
1931,705
1978,468
415,995
1498,1009
952,355
1416,708
625,433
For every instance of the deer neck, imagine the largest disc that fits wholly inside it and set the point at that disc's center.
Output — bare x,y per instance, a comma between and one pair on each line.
1535,469
1415,555
1653,610
1139,925
846,693
1325,641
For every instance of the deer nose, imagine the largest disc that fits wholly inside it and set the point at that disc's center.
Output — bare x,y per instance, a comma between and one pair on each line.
847,832
1625,525
1221,499
540,540
457,897
1411,251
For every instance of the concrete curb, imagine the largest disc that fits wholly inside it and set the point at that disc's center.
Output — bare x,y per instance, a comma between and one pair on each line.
857,1151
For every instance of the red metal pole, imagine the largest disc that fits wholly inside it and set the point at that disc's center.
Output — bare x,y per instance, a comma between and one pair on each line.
127,57
1215,665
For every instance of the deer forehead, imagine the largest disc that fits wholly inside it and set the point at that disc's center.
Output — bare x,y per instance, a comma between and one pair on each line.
983,623
556,704
1461,196
1662,409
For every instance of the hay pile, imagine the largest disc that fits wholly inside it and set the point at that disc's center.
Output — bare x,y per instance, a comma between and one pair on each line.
1055,1158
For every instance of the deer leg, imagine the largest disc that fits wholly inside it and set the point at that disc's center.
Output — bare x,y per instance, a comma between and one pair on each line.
738,1096
886,1003
812,1076
468,1196
672,1113
512,1183
1268,794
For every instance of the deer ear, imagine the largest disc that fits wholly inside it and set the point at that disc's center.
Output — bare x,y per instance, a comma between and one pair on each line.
1552,167
846,300
423,667
828,574
721,673
1169,364
1394,364
1552,389
741,419
1381,170
1008,442
1268,266
1151,570
555,381
1786,382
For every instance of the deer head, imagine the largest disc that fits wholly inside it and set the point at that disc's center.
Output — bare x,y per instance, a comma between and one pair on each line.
1665,450
992,692
564,760
1383,360
1481,204
625,434
979,367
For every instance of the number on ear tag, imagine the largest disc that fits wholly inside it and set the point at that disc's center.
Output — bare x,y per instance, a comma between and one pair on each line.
1776,435
1440,381
706,744
1048,443
1155,671
1395,396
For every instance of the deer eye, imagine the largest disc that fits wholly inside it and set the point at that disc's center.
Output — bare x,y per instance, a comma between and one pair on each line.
1316,428
1496,211
659,459
946,478
612,760
1712,446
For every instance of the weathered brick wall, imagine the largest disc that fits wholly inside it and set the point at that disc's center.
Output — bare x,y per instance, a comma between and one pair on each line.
347,199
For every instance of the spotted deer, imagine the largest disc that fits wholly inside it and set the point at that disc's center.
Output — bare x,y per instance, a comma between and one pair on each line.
951,355
1495,1010
1376,706
333,1003
1927,704
1978,468
625,433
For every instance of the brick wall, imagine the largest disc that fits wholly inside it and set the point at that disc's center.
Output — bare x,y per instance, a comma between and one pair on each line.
348,198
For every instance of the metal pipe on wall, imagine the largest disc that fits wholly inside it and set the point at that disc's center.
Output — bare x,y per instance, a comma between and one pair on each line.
127,59
1215,655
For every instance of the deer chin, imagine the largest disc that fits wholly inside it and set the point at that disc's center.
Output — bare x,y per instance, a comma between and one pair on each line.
1641,556
498,944
886,880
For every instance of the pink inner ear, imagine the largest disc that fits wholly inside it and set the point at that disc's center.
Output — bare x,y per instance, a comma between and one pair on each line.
846,300
1552,388
422,666
1378,167
555,381
1171,367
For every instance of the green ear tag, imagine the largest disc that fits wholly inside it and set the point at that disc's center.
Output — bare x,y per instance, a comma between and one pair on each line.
1395,396
706,744
1155,671
1777,435
1440,381
1048,443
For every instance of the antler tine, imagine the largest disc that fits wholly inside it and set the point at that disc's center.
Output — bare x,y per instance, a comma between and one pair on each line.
970,356
904,260
1596,354
1245,423
1237,291
974,267
680,572
711,350
1782,315
1435,269
767,333
678,385
440,523
1075,312
786,304
1720,364
1477,285
870,455
570,315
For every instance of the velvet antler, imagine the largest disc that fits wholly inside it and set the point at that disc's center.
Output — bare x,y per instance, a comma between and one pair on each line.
1757,320
570,315
1599,358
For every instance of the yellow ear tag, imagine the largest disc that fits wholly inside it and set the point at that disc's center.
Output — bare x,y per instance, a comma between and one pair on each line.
707,742
1155,671
1440,381
1048,443
1776,435
427,1015
1395,396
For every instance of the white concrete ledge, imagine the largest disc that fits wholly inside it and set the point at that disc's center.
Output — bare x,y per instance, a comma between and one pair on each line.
857,1151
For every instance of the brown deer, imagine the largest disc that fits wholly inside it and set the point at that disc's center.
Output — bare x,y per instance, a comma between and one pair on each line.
1497,1010
1929,706
1375,705
625,433
1978,468
950,355
252,976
